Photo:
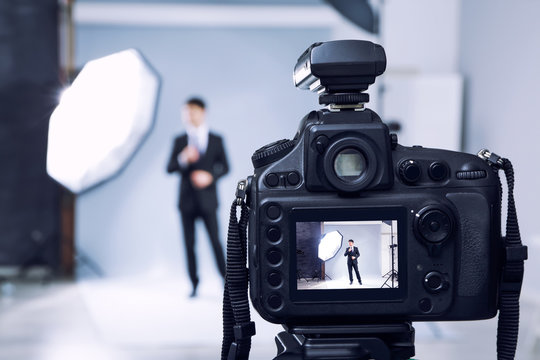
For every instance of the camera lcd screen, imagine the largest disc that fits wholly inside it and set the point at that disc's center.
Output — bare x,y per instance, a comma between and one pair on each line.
357,254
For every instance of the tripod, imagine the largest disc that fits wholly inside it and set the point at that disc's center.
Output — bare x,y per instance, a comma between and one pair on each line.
354,342
392,275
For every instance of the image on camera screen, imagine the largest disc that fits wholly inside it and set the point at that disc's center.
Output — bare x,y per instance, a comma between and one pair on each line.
332,255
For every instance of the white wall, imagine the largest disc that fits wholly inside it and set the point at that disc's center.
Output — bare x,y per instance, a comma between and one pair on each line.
500,59
421,35
422,88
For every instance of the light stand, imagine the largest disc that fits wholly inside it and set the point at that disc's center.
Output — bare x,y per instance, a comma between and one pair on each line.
391,275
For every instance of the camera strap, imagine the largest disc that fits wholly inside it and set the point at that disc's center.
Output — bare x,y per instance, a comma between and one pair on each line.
237,325
513,267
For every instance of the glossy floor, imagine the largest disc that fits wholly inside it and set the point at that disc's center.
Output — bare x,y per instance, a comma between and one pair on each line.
154,319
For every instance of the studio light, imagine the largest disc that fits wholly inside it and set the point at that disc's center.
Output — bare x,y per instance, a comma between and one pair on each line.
330,245
101,120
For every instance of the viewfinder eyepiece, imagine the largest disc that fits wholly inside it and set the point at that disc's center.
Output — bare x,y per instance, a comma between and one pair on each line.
349,164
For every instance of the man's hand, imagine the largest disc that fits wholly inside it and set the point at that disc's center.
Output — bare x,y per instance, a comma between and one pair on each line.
189,155
353,257
201,179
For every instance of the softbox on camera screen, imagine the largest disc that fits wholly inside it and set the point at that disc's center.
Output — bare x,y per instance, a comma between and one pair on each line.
329,245
101,120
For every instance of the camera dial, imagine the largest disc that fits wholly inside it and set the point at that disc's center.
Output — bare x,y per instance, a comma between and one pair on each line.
434,224
272,152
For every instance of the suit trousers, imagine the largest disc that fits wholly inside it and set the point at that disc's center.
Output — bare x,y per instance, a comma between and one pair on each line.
211,224
354,265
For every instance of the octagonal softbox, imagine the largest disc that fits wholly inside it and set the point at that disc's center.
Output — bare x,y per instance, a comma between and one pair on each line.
329,245
101,120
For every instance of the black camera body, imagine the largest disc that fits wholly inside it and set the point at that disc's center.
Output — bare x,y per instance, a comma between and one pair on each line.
425,222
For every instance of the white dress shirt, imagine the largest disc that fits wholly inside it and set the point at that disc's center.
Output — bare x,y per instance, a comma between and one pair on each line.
197,137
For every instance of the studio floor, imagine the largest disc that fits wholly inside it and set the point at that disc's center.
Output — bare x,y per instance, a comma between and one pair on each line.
154,319
368,282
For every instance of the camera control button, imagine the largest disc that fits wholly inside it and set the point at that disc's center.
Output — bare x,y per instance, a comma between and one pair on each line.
410,171
321,143
425,305
293,178
273,212
435,226
275,301
274,256
272,180
394,141
438,171
435,282
273,234
275,279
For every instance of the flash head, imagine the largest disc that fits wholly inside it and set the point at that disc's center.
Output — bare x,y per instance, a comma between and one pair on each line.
341,66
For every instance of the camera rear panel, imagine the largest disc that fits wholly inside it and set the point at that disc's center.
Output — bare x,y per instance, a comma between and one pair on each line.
441,218
424,223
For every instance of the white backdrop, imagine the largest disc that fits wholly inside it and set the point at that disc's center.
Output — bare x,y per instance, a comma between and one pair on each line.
367,238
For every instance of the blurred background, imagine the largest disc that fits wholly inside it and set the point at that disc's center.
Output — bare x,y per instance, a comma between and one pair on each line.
102,274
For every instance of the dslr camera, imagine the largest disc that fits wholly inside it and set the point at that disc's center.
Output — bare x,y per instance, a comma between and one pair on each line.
424,223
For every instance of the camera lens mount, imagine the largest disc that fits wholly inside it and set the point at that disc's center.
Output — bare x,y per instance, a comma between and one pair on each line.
350,164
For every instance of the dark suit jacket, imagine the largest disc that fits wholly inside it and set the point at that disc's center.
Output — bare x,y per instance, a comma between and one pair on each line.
214,161
350,254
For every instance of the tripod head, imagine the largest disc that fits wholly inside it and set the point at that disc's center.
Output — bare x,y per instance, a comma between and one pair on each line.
359,342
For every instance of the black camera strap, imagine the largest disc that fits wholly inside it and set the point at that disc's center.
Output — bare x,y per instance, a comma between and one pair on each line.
513,267
237,325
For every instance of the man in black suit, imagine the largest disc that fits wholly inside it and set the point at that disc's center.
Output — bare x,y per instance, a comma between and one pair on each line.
353,254
199,157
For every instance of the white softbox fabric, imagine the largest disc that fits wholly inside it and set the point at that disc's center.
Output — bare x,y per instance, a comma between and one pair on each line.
101,120
329,245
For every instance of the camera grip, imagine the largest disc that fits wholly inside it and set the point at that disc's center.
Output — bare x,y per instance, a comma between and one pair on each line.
473,217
